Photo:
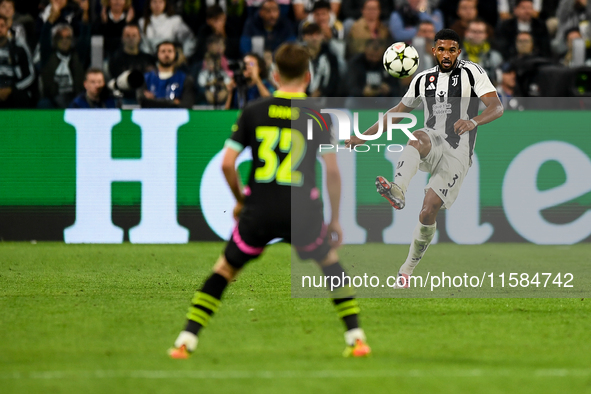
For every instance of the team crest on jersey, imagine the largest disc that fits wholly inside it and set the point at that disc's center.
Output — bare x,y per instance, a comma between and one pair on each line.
432,78
454,80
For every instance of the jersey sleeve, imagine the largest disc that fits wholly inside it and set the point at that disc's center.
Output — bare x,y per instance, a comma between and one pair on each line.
239,138
482,84
412,98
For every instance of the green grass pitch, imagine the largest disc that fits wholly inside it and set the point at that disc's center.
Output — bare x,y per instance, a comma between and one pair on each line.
99,319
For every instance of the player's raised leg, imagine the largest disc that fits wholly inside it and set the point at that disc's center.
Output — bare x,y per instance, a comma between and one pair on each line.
421,236
406,168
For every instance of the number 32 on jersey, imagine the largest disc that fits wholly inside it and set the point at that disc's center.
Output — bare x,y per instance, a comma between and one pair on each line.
290,141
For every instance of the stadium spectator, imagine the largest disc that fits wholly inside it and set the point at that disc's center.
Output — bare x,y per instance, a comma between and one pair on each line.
17,73
321,15
96,95
505,8
351,11
487,10
62,76
423,42
568,59
249,83
130,57
467,12
477,49
269,25
524,46
167,87
115,15
252,7
160,24
302,8
212,80
369,26
68,12
523,20
325,66
404,22
571,14
16,29
216,24
506,87
366,75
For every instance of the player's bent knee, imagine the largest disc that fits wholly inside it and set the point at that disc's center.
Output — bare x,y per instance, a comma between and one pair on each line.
223,268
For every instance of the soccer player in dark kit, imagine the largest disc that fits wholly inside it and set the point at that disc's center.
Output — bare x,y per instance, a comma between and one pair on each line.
281,200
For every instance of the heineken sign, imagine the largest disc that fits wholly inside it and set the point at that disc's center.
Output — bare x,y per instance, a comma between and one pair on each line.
154,176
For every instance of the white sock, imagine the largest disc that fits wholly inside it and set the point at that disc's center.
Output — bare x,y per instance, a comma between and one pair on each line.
353,335
421,238
187,338
407,166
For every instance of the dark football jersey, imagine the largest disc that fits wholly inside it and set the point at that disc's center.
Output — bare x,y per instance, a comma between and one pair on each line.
284,157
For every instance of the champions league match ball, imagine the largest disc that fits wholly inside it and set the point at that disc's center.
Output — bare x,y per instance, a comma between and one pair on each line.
401,60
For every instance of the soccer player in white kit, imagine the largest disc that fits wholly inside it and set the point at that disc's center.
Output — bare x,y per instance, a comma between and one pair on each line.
451,93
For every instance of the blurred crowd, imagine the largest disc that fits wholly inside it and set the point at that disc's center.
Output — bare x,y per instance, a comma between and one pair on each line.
219,53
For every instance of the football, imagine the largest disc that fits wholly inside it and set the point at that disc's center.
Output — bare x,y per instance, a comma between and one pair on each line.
401,60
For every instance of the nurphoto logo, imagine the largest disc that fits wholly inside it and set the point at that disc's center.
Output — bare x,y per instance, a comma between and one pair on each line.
344,129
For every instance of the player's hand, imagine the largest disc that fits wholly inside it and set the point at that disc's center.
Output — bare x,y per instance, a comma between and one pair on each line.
353,142
148,94
335,233
461,126
238,209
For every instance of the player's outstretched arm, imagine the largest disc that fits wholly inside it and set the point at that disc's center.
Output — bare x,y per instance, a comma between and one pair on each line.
229,169
333,184
354,140
494,110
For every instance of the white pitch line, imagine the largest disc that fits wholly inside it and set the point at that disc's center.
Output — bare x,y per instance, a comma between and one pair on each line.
327,374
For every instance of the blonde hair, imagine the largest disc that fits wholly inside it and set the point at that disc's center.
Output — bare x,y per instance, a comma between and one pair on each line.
127,6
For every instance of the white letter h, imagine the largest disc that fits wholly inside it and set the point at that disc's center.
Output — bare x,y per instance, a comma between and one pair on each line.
96,170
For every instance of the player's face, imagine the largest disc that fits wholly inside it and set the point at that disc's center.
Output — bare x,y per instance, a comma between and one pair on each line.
446,54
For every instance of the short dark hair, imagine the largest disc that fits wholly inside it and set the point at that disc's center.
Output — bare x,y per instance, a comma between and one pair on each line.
322,4
447,34
292,60
213,11
517,2
93,70
477,20
311,28
132,24
571,30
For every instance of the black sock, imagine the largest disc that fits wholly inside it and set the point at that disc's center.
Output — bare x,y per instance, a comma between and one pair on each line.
346,305
205,303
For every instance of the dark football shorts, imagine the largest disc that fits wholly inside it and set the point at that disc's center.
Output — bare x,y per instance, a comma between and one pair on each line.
257,227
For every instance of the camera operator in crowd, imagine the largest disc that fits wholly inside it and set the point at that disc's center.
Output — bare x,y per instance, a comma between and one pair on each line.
249,83
97,95
167,87
17,74
128,59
